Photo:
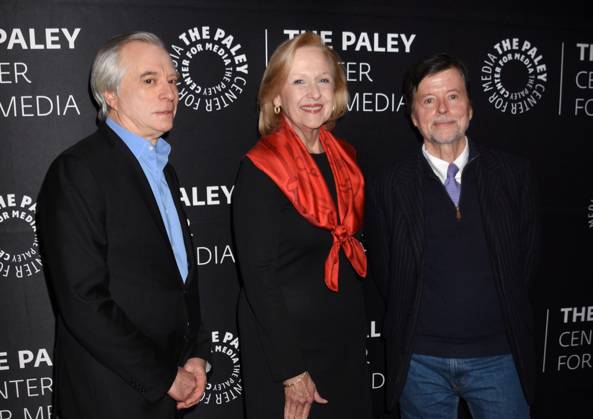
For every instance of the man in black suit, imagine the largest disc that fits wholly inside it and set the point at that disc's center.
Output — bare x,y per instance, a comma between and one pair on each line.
452,241
118,255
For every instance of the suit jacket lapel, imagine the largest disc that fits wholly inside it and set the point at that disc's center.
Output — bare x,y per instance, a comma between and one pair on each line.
136,174
492,199
189,249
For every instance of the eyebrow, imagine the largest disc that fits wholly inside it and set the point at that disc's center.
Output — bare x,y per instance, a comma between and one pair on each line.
148,73
325,73
433,94
154,73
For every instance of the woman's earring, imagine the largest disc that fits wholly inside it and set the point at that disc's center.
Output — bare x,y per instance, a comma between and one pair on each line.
277,109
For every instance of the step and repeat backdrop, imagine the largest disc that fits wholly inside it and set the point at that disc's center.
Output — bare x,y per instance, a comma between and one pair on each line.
532,89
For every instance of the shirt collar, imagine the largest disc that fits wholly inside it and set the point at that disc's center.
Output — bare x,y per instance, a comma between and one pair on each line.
142,149
439,167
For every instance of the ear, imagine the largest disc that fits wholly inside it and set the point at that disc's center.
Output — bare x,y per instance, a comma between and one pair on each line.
277,101
413,118
471,113
111,99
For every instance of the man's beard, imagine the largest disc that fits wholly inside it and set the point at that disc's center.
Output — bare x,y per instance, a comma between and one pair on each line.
450,140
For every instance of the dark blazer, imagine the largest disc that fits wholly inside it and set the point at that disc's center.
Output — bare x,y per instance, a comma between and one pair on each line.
124,318
395,241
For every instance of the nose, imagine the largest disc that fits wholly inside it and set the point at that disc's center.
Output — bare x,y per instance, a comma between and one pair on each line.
443,106
168,91
314,91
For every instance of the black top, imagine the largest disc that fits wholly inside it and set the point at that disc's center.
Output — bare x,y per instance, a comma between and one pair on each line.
289,321
460,313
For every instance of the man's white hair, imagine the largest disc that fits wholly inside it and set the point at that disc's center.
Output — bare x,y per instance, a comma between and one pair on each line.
108,71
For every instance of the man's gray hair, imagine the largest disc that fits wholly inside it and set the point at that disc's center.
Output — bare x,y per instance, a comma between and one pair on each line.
107,70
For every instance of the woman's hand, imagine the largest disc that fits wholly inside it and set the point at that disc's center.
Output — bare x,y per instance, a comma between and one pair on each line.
299,393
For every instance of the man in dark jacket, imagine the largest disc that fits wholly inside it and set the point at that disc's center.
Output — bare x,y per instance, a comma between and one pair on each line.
118,254
452,242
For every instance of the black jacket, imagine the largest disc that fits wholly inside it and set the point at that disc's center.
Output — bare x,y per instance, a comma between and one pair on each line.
394,239
125,319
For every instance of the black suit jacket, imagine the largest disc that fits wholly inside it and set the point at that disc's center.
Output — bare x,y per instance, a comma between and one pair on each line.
125,319
395,241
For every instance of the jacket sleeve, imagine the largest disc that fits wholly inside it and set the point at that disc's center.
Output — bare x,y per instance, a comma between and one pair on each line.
256,232
71,216
530,227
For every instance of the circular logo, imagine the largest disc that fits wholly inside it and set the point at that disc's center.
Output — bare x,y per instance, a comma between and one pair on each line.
514,76
19,251
212,68
224,384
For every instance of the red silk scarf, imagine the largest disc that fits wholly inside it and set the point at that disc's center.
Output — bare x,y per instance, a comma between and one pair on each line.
285,159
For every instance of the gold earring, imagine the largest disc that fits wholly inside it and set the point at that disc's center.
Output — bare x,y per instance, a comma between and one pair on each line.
277,109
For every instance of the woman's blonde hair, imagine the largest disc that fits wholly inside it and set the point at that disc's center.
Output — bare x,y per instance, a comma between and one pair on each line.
277,72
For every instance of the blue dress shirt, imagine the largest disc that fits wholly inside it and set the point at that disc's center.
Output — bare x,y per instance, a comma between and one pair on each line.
153,160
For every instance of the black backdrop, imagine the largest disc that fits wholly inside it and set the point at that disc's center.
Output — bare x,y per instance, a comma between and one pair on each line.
532,88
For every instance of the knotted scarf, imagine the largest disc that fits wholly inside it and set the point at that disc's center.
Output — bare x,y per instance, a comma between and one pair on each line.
285,159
